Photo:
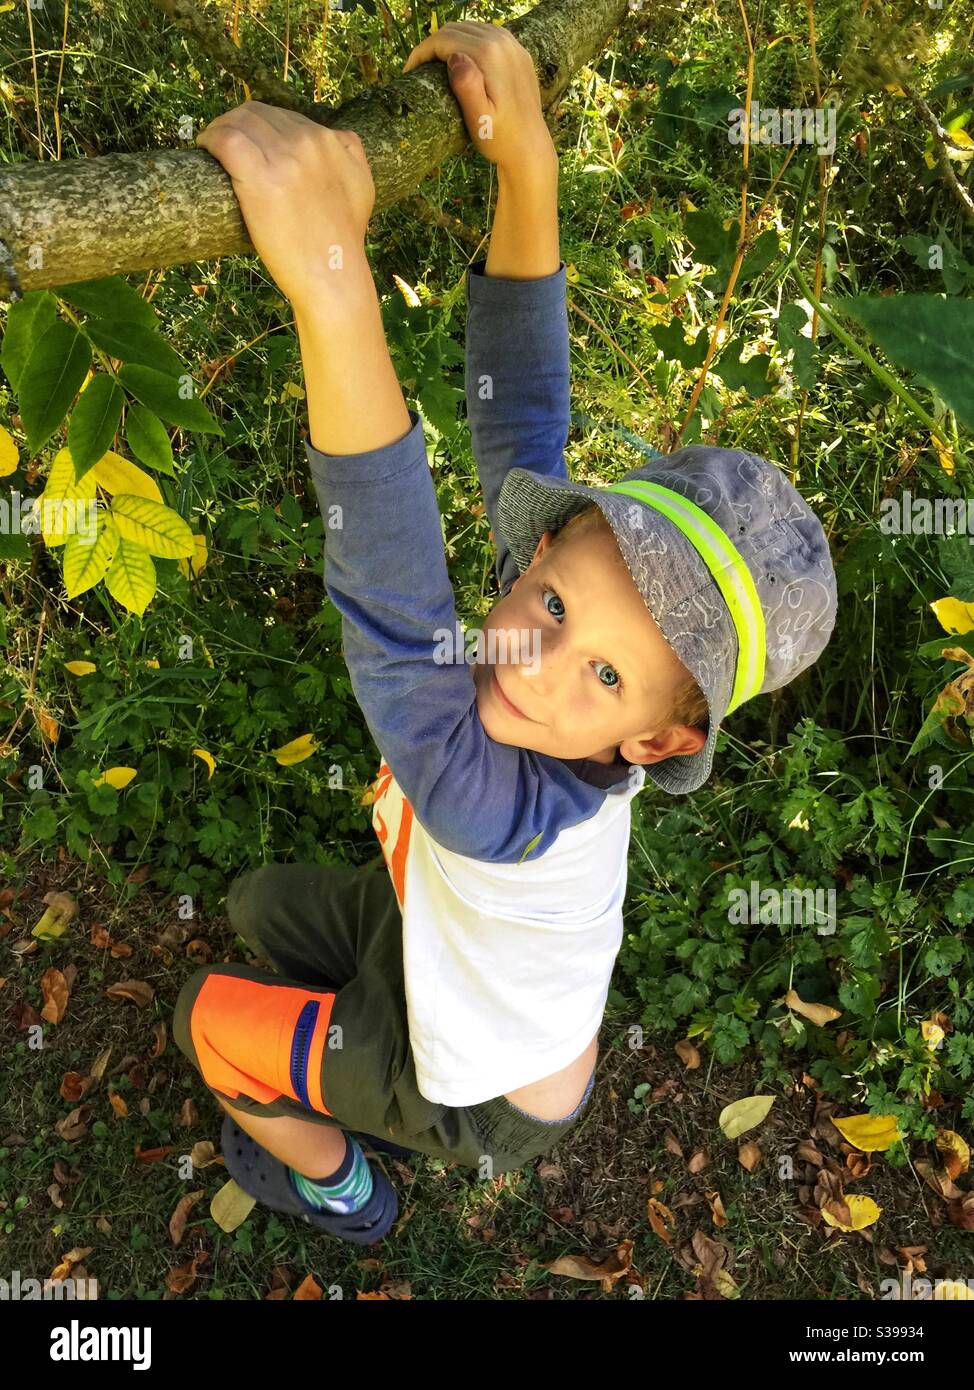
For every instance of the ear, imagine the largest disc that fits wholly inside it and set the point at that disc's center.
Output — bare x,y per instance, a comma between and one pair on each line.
539,550
677,739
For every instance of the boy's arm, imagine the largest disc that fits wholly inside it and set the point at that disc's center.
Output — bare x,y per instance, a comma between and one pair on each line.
517,382
385,571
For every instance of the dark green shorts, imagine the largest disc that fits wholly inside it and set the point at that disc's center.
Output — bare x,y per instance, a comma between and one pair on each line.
325,1035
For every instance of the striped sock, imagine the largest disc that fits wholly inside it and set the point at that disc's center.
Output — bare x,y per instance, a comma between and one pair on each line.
345,1190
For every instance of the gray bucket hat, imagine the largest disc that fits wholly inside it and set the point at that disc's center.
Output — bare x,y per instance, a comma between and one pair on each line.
729,558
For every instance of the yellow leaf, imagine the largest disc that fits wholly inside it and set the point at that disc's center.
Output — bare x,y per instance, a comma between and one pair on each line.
152,525
819,1014
946,457
871,1133
954,616
117,474
960,137
799,822
407,292
291,388
434,22
61,909
231,1206
86,561
65,505
296,751
197,563
207,758
151,661
117,777
571,274
742,1115
933,1035
957,1154
895,88
9,454
132,577
80,668
862,1210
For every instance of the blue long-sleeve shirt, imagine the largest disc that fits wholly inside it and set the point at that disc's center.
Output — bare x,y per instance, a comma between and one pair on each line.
385,570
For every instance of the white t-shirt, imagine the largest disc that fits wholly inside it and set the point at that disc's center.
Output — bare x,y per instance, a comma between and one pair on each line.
507,966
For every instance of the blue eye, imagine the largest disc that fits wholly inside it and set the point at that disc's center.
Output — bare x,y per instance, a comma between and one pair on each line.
557,600
617,683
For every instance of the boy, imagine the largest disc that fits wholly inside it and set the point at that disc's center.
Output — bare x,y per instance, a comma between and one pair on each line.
455,1003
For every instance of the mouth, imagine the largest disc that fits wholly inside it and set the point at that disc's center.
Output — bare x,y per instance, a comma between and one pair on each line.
509,705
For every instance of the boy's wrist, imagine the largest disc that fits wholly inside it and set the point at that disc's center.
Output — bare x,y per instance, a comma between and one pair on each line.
536,162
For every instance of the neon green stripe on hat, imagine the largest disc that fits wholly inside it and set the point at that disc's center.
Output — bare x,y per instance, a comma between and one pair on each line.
730,574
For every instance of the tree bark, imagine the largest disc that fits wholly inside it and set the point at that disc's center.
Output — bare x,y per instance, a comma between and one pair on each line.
82,219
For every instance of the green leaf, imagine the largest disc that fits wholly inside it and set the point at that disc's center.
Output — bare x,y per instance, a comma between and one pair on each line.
131,579
87,562
951,84
938,253
925,334
529,847
751,376
670,339
148,440
110,298
94,421
27,321
133,342
956,555
715,244
152,525
50,381
163,395
760,256
791,321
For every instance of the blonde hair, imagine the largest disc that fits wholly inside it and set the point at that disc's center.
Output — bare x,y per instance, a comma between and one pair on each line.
689,704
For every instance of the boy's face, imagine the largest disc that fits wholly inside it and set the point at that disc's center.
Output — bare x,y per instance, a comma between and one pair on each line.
570,631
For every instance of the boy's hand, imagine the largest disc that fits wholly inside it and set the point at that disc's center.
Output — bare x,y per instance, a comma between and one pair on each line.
495,83
303,188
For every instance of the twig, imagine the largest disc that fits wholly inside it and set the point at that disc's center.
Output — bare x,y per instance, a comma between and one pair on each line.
211,40
941,140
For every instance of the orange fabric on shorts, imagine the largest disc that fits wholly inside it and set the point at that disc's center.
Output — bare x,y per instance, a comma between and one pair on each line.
242,1032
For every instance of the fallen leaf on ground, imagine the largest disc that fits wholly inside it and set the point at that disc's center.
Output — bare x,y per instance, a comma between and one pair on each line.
137,990
231,1206
608,1272
871,1133
177,1222
741,1115
55,990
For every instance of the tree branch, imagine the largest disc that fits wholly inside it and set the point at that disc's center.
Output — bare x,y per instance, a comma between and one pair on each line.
82,219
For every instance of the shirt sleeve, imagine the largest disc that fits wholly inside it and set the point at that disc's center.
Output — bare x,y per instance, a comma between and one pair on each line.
385,571
517,384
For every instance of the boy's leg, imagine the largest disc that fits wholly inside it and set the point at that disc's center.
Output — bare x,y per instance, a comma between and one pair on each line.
314,1150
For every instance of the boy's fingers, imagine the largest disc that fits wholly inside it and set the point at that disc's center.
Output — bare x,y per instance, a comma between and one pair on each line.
452,38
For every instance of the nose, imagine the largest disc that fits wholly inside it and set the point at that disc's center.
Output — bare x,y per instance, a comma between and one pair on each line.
540,669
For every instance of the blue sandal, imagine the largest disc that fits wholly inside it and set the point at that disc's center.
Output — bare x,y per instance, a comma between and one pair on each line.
265,1177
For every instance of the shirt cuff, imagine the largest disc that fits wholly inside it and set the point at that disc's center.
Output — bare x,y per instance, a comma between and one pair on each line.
371,465
502,290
